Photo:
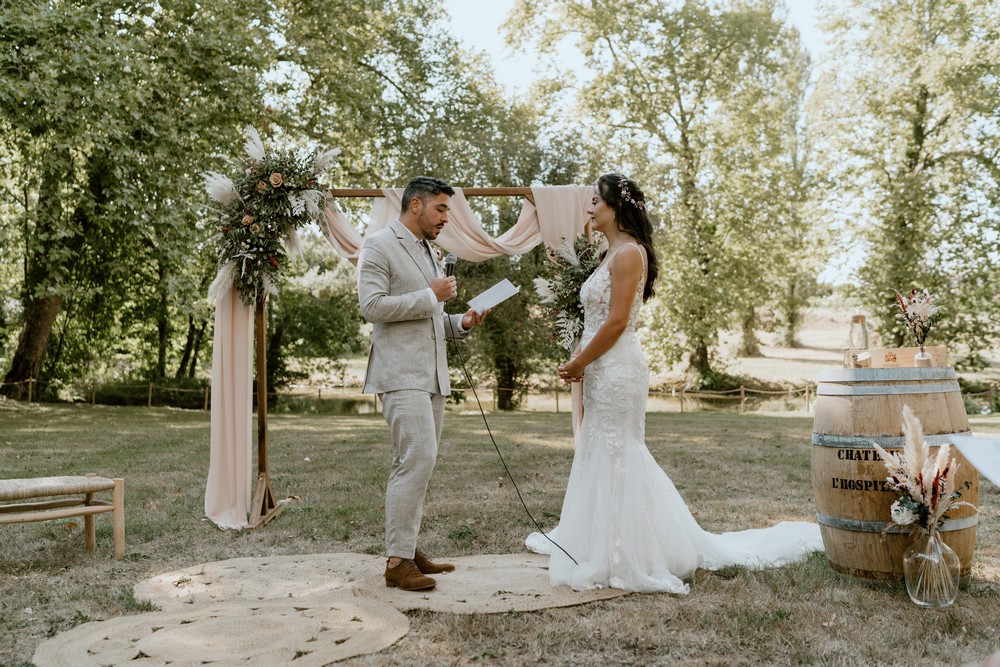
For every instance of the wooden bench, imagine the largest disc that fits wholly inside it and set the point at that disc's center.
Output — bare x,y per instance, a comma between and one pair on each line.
85,505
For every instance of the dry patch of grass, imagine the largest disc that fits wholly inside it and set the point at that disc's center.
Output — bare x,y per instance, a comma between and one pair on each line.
735,471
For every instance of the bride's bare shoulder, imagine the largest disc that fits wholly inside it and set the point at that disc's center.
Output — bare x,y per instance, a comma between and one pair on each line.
629,256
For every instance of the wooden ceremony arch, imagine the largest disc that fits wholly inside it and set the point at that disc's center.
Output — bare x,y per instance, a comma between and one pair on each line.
264,505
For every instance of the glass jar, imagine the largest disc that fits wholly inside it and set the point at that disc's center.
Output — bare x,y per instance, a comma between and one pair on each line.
922,359
857,343
931,570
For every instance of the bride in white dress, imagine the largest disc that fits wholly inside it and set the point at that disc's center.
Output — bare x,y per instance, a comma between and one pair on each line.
622,520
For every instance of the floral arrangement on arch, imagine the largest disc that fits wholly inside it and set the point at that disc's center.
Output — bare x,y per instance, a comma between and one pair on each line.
926,484
571,263
919,312
273,193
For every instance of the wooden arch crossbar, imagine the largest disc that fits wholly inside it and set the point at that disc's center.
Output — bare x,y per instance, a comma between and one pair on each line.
468,192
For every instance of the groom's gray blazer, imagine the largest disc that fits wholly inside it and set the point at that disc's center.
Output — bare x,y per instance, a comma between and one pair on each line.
409,331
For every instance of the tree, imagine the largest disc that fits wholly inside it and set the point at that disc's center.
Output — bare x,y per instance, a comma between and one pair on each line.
697,100
110,112
905,124
472,137
314,321
107,110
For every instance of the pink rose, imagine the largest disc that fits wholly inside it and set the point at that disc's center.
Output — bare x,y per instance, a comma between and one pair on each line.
261,186
254,228
275,179
247,219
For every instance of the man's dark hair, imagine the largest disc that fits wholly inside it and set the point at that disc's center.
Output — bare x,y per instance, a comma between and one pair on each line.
424,188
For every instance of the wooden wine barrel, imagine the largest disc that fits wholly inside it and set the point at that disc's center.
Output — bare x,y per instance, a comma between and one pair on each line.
855,407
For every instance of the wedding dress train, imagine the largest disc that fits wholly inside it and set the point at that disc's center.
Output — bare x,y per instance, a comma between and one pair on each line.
622,518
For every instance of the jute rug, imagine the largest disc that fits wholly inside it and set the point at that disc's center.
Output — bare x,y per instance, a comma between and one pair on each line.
297,610
479,585
486,585
259,579
299,633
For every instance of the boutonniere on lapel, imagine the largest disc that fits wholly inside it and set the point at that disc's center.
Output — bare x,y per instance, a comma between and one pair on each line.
438,257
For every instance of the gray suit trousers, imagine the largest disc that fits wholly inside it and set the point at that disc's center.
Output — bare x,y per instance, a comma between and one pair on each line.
414,418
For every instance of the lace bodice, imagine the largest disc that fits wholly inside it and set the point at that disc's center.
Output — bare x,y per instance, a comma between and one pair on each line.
596,298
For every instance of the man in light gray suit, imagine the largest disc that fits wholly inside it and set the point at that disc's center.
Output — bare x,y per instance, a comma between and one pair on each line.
402,291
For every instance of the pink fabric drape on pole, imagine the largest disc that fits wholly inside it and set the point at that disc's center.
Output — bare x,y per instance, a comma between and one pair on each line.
559,213
227,493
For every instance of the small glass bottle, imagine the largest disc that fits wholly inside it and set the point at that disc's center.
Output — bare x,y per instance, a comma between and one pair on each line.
857,342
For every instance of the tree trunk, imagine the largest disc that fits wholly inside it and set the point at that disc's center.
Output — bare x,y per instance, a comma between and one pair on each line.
188,346
56,254
39,318
505,376
793,315
199,337
749,344
698,360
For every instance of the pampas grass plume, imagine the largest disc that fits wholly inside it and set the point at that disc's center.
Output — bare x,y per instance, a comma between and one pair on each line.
221,188
253,146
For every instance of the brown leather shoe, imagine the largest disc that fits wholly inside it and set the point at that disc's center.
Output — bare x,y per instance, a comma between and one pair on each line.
407,577
427,566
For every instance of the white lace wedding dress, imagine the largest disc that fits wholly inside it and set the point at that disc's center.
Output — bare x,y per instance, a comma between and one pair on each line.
622,519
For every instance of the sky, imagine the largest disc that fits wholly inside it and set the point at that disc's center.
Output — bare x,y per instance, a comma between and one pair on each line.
476,24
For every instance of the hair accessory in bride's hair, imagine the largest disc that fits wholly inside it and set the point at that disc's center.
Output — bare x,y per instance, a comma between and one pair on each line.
627,196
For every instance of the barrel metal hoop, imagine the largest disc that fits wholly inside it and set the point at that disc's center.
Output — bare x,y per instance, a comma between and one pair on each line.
886,374
831,389
859,526
883,441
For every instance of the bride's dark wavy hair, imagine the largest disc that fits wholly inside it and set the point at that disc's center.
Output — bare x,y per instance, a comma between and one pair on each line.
629,204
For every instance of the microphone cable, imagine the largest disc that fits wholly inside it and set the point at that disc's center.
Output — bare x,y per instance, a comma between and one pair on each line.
468,378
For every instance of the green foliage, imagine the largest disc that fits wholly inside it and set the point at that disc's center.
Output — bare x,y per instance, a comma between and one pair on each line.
904,125
107,111
314,320
563,276
700,102
110,112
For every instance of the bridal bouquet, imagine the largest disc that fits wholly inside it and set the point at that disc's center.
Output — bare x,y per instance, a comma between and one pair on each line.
919,312
571,263
273,193
926,483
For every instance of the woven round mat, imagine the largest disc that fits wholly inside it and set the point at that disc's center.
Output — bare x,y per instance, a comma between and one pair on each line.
303,634
259,579
486,585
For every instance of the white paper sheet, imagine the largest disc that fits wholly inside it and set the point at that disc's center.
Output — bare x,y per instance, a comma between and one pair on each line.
983,453
494,296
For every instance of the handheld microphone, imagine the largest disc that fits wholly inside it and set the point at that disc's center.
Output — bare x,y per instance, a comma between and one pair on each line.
449,265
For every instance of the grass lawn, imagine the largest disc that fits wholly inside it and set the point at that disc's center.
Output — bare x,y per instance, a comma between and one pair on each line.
735,471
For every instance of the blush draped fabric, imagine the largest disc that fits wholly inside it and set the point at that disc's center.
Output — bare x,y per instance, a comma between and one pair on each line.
227,494
558,213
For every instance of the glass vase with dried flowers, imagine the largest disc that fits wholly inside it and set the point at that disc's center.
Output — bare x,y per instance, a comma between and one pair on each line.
926,484
919,312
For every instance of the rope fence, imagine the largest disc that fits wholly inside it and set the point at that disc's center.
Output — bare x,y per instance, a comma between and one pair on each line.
348,399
